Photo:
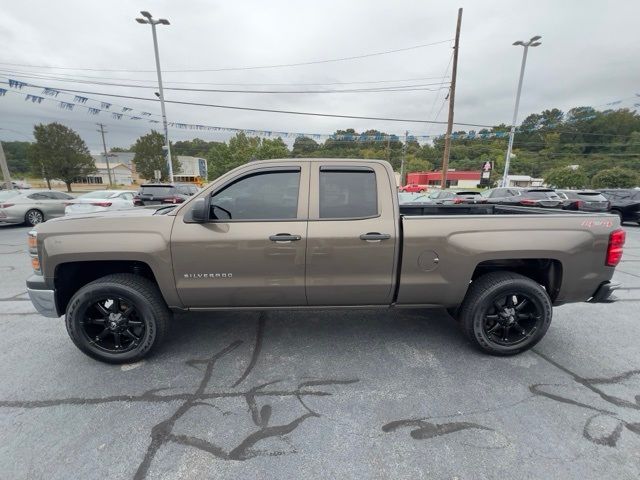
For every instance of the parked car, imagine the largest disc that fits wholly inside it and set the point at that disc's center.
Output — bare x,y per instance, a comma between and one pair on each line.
100,201
243,244
455,197
413,188
31,206
159,193
585,200
625,202
15,185
526,197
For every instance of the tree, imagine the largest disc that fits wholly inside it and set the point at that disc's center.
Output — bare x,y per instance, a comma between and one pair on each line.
60,153
218,160
565,177
149,156
274,148
16,153
616,177
304,147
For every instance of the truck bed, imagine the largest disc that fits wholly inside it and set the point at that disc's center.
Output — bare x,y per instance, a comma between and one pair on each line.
427,209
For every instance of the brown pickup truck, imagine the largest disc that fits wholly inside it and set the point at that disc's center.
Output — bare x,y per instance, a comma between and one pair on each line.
317,234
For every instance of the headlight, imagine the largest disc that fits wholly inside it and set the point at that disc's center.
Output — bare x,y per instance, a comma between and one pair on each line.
33,251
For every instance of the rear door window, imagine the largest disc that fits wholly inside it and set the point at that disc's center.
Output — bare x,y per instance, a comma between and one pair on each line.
348,193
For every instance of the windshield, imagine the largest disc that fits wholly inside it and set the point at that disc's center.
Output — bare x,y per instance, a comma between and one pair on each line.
158,190
542,195
97,194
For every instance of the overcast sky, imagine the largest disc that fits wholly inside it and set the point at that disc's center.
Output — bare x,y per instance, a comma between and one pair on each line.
589,56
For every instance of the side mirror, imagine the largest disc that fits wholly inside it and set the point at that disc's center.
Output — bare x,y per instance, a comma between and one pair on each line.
199,212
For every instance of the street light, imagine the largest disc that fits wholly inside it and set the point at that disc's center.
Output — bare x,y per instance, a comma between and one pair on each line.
153,22
533,42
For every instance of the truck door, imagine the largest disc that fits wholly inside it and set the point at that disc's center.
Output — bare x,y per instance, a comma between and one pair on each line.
251,252
352,235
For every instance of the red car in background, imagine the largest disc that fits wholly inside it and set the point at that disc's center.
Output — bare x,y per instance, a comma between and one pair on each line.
413,188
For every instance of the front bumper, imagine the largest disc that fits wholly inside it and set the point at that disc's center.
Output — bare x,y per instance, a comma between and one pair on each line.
43,298
604,291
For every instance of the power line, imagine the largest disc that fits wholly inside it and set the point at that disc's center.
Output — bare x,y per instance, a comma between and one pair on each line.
61,76
397,88
230,69
266,110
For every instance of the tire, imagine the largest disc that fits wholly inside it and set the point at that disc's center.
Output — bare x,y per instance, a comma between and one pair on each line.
33,217
137,309
521,321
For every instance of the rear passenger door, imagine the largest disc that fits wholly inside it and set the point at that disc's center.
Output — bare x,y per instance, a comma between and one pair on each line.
351,235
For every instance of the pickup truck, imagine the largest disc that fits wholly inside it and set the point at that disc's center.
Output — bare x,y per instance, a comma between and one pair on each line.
317,234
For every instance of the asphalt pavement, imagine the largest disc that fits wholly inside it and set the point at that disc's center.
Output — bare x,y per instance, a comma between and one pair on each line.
339,394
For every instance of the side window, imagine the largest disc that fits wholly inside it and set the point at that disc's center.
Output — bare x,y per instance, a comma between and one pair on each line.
37,196
348,193
261,196
60,196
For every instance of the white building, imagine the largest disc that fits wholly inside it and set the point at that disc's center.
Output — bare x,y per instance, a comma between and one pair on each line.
120,175
192,170
524,181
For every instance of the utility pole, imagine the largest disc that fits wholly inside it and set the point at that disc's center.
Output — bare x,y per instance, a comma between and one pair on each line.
452,99
404,154
148,19
533,42
106,155
5,169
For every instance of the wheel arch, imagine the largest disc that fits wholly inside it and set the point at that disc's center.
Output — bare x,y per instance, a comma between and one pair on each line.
545,271
72,276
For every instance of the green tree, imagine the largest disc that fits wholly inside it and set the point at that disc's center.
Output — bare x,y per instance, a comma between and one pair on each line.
272,148
16,153
616,177
60,153
565,177
218,160
305,147
149,156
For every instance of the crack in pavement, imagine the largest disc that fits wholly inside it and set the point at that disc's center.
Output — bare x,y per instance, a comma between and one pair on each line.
611,415
163,433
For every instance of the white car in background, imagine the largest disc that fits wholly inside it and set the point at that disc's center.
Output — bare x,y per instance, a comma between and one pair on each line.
100,201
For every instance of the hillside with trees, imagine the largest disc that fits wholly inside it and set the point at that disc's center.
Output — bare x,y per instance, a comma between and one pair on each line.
582,147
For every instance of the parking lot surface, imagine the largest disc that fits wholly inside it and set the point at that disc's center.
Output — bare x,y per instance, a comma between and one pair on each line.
334,394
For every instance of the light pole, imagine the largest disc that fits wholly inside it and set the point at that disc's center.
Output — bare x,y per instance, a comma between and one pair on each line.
533,42
153,22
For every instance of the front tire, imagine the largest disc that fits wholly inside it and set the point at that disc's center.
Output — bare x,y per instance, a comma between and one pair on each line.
118,318
505,313
33,217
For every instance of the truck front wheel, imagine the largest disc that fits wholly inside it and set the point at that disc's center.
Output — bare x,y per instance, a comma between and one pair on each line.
505,313
118,318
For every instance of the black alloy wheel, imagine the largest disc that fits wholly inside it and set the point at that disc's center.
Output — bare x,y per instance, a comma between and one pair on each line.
118,318
114,325
505,313
512,319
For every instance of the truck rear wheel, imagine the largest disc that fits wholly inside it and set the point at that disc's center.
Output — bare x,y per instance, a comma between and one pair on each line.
505,313
119,318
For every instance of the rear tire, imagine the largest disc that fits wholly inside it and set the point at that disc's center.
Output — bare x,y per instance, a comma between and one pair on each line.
505,313
118,318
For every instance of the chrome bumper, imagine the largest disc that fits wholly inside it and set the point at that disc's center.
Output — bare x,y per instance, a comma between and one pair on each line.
44,301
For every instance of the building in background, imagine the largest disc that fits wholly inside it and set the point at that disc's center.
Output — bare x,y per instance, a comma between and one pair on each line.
192,170
120,175
118,159
454,179
524,181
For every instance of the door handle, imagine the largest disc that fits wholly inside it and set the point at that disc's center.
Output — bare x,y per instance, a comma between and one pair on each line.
284,237
374,236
